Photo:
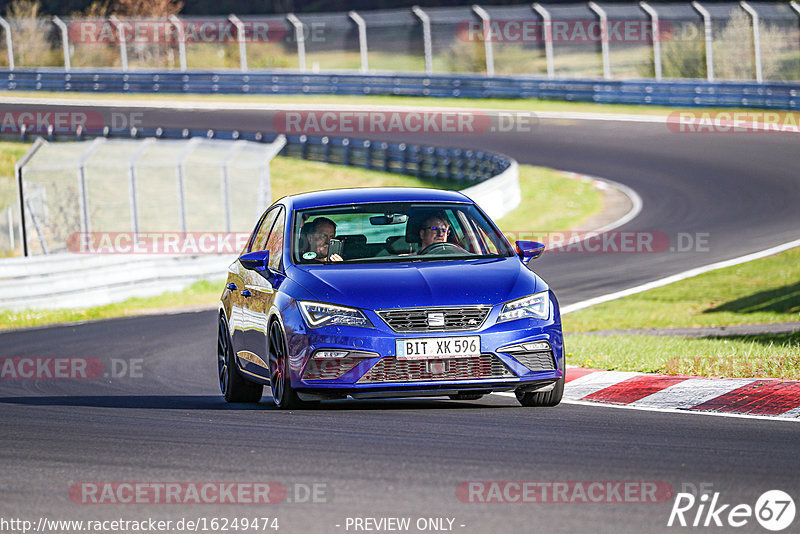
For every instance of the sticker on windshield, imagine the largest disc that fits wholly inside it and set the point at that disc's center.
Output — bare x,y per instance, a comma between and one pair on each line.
309,255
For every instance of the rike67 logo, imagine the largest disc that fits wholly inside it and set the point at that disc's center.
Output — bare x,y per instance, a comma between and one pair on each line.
774,510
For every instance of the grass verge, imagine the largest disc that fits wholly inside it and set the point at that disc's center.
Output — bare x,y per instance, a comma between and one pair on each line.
766,355
757,292
290,175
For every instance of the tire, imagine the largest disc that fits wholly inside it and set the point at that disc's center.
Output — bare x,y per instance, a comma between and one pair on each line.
234,387
542,398
280,380
466,396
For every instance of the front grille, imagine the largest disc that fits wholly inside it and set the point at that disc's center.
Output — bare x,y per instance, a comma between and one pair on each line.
329,368
390,369
536,361
405,320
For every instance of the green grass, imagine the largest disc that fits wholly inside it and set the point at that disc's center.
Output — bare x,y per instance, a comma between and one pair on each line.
767,355
576,200
761,291
376,100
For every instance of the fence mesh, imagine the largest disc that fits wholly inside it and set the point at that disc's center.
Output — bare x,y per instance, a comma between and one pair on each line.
395,41
142,186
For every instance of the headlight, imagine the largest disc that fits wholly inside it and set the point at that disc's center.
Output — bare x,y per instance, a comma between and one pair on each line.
317,314
536,306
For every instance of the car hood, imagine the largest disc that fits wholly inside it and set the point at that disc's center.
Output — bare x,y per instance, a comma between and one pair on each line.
403,285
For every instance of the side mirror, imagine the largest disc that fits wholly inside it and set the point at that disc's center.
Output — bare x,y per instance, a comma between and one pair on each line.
255,261
529,250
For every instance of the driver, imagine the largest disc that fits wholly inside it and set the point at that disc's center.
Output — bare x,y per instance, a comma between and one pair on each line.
435,229
319,233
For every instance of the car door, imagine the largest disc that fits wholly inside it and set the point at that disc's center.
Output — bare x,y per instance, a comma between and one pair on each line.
242,320
257,296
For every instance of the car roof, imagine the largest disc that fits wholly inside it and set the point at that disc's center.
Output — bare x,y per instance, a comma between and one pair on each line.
338,197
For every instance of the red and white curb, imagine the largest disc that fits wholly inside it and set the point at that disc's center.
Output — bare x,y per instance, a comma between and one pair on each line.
730,396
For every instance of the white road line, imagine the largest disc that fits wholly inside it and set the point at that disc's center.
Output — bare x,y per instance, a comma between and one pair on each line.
593,382
793,414
680,276
667,410
692,392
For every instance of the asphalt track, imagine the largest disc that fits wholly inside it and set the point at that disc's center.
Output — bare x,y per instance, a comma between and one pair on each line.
406,458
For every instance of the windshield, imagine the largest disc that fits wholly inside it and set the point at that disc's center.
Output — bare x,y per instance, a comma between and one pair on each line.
399,231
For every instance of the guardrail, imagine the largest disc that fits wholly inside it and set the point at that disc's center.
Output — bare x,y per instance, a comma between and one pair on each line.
690,93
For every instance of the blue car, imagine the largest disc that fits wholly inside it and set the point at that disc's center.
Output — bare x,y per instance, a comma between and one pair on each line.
386,292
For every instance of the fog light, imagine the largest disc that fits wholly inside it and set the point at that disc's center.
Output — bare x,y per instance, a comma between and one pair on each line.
331,354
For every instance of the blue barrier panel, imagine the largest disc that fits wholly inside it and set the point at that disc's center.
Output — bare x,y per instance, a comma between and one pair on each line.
771,95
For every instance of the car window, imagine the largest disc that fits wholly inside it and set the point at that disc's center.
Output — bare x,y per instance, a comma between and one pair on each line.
402,231
275,241
259,241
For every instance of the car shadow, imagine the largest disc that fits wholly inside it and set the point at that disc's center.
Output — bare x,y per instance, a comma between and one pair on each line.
215,402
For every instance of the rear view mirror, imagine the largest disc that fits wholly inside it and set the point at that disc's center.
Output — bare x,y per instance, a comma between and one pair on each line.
255,261
529,250
389,218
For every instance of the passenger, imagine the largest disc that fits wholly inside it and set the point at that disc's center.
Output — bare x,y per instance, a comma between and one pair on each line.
319,233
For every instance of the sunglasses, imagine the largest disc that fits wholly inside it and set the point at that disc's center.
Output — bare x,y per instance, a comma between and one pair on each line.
438,230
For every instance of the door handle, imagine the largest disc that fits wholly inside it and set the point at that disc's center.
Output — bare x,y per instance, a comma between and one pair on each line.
232,286
246,293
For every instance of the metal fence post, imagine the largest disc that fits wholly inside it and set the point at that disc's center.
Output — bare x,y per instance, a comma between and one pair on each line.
756,39
656,37
19,168
64,40
9,43
300,38
488,51
178,24
362,40
603,39
123,41
132,183
426,37
83,193
709,39
548,38
240,36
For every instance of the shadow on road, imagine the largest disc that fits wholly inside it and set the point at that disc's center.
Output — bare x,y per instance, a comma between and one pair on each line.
215,402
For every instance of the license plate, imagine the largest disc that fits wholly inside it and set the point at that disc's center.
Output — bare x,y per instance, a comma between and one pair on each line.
427,348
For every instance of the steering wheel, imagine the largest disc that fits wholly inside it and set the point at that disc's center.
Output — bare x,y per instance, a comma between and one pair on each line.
444,246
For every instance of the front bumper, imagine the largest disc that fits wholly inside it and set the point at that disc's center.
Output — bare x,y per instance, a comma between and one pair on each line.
377,372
